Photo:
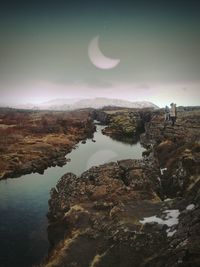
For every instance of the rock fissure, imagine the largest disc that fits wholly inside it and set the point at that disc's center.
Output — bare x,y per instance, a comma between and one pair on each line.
114,201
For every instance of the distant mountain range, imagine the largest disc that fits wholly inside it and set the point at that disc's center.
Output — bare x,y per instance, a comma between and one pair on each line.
99,102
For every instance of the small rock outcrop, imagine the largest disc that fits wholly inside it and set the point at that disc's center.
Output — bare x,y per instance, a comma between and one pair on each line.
123,123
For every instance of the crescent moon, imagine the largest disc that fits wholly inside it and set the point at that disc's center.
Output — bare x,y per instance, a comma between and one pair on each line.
97,57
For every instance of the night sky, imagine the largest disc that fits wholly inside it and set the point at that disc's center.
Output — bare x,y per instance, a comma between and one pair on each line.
44,50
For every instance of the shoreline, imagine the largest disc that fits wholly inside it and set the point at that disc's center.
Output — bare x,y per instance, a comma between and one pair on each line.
41,142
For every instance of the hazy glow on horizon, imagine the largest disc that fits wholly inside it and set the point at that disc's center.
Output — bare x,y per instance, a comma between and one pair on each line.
157,93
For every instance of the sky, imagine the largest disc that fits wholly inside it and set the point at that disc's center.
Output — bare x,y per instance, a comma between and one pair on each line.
44,50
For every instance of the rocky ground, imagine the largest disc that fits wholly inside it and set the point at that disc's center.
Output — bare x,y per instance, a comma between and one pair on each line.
31,141
123,124
133,212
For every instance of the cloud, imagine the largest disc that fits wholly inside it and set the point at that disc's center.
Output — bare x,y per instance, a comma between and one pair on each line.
93,83
98,84
143,86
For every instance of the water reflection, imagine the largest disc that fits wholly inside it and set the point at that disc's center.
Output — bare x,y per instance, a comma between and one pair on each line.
126,139
24,200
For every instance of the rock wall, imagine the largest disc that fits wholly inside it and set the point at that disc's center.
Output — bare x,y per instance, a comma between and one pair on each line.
186,128
101,116
119,214
100,212
123,123
176,149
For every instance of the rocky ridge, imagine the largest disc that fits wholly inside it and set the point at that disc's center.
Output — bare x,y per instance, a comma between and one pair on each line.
133,212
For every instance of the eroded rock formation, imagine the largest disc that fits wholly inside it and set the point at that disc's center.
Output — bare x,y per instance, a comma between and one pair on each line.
99,213
123,124
119,214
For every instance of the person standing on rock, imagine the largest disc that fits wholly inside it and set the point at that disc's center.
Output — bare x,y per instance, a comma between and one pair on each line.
167,116
173,113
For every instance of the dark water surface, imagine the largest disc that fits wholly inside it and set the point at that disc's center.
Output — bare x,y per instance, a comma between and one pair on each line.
24,200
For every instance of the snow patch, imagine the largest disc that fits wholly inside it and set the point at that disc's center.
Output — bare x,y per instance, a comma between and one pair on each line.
171,219
170,232
190,207
162,170
152,219
168,199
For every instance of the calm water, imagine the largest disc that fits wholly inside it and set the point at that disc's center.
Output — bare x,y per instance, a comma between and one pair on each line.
24,200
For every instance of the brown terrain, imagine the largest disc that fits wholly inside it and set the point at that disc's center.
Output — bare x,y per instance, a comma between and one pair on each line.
31,141
97,219
123,124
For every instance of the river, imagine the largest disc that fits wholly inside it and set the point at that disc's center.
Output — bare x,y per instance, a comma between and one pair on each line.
24,200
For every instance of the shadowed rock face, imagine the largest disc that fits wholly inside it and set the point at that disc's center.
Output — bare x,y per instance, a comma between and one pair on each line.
123,123
100,211
96,219
185,130
183,248
176,149
31,141
126,124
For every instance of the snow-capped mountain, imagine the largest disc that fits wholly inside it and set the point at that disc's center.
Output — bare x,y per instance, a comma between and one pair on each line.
99,102
75,103
102,102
